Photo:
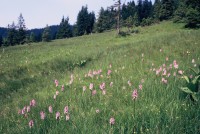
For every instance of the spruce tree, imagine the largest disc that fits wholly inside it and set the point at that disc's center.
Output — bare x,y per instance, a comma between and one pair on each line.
156,9
106,20
140,10
167,9
100,21
64,30
21,30
82,21
46,37
12,37
193,13
91,22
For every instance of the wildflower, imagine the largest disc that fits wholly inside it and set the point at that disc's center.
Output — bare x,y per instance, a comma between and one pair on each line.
67,117
164,80
142,55
28,109
94,92
129,83
142,81
31,123
195,65
167,59
56,82
112,121
175,64
54,97
42,115
168,75
110,65
32,102
180,72
174,74
66,109
97,111
84,88
164,65
57,92
62,88
111,84
91,86
140,86
23,110
160,50
50,109
191,76
102,86
164,72
109,72
135,94
193,61
57,115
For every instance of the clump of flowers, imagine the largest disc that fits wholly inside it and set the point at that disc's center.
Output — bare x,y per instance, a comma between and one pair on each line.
112,121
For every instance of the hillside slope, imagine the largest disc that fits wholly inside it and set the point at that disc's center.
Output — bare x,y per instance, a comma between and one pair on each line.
124,64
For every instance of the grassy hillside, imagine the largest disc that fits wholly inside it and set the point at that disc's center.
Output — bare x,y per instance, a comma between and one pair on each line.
124,64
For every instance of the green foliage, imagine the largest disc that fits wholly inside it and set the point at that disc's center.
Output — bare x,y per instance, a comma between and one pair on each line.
1,41
156,9
193,85
17,34
128,10
193,18
46,37
106,20
21,30
32,37
65,30
167,9
12,37
188,11
146,22
85,21
28,72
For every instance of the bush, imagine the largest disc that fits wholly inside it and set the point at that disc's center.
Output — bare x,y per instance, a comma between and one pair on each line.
146,22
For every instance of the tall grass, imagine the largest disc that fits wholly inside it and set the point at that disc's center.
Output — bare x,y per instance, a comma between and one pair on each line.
28,72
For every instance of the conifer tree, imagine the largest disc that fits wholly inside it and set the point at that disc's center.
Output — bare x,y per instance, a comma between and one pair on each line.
91,22
82,21
139,11
156,9
64,30
12,37
21,30
167,9
46,34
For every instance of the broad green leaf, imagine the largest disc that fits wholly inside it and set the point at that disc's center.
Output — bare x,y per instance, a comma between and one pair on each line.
186,90
186,78
195,80
194,97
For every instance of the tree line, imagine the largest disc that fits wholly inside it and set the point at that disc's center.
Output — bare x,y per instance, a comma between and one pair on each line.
142,13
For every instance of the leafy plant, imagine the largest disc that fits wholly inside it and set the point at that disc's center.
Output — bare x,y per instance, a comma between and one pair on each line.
193,85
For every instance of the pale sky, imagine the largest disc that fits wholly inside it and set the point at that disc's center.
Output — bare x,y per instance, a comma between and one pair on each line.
38,13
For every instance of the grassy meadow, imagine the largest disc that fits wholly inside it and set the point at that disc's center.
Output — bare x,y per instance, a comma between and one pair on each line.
95,76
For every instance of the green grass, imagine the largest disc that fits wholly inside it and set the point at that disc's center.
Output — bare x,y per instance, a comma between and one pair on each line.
28,72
